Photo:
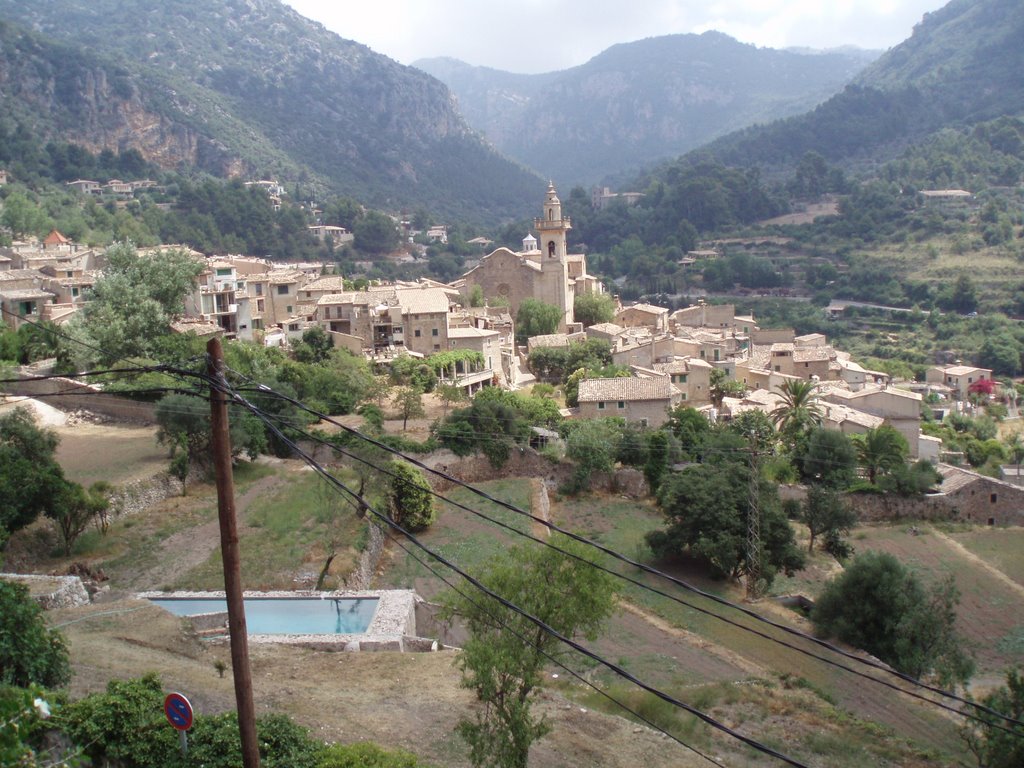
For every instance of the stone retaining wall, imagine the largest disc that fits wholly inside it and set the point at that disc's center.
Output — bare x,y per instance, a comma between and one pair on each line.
133,497
70,395
362,575
69,592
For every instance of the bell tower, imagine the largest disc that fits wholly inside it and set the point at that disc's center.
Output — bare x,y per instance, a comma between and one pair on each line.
551,230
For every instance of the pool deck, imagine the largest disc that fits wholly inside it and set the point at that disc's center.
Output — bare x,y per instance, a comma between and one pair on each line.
392,628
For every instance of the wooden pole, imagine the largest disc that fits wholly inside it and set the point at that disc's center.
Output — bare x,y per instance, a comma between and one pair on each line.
221,446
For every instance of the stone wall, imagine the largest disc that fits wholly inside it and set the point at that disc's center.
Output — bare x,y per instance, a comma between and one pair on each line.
69,395
67,591
133,497
362,575
885,507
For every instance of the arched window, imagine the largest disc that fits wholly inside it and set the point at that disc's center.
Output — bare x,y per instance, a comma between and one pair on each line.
551,214
551,249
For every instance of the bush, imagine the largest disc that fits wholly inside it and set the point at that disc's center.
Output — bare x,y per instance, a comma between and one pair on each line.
29,652
366,755
410,501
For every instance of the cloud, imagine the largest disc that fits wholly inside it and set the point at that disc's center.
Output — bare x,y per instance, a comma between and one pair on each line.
545,35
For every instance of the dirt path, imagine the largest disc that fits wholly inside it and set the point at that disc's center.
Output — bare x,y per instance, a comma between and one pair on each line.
990,569
740,662
192,547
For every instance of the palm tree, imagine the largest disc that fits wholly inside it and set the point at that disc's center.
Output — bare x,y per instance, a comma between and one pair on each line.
799,409
880,451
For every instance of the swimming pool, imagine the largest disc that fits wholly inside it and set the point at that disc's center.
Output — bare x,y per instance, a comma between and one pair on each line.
288,615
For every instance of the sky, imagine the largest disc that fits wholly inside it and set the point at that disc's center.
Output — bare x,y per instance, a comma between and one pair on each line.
531,36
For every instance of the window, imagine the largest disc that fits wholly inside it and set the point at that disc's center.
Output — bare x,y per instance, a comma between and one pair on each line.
683,396
74,291
991,521
622,404
69,273
643,422
433,332
223,272
600,405
992,499
416,333
282,290
288,309
259,289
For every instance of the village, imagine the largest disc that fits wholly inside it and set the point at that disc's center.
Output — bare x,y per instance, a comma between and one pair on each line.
674,358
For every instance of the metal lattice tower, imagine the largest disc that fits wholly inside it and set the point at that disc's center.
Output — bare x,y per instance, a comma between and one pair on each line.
754,527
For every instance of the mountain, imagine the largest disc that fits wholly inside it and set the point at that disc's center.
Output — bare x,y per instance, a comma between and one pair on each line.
962,65
249,87
639,102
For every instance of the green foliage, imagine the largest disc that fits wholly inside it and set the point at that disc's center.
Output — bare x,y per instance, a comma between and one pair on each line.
365,754
593,308
314,347
881,451
76,507
990,742
410,502
22,713
826,514
504,659
571,386
535,318
555,364
134,299
184,422
706,507
690,427
592,445
31,480
375,233
879,605
126,725
409,402
830,458
413,372
914,480
455,360
29,652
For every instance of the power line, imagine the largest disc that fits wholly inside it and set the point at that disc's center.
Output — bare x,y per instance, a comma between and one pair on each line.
551,658
653,590
685,585
508,604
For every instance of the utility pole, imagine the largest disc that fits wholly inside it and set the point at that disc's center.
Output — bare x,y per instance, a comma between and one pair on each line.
237,630
754,527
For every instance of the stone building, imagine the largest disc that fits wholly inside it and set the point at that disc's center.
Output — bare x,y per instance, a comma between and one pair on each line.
543,270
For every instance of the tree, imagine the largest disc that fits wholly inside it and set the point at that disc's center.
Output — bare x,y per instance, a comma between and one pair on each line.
592,445
830,459
184,424
504,659
799,409
375,233
991,745
722,386
30,477
409,401
410,501
448,394
881,451
879,605
707,507
29,652
315,346
76,507
535,318
593,308
135,298
825,513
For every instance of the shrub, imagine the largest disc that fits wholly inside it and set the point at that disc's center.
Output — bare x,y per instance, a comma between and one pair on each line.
29,652
366,755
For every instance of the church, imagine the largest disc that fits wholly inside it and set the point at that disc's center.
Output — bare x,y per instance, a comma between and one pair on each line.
542,270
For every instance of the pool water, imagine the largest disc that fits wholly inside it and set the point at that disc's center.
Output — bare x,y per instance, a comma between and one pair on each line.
287,615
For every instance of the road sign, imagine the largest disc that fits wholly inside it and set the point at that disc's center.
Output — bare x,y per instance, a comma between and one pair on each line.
178,711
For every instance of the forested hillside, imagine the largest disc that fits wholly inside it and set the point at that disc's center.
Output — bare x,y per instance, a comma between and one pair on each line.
639,102
963,64
247,88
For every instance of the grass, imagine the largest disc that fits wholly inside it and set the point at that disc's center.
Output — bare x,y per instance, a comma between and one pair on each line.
285,538
1002,548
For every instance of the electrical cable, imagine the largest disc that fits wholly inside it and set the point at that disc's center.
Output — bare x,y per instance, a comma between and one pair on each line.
655,572
647,587
529,617
550,657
